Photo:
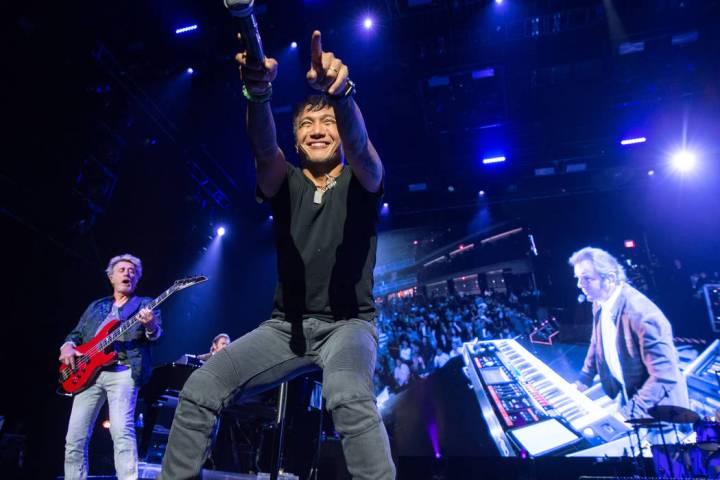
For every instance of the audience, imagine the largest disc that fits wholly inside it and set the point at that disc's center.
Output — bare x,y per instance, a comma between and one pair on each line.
419,335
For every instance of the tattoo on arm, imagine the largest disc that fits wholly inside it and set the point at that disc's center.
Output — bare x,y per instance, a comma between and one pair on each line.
359,150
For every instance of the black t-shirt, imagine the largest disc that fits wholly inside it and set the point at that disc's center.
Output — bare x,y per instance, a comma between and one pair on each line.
325,252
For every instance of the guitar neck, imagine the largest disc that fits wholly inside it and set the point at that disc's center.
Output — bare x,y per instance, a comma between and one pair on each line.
130,322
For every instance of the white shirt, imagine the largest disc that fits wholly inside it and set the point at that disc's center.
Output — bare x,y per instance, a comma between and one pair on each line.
609,335
402,374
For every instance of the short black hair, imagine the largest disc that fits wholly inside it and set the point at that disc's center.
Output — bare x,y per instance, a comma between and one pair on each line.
314,102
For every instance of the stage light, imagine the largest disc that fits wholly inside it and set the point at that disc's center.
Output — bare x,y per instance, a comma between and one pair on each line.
684,161
106,424
489,160
651,173
368,23
498,2
386,205
481,193
220,231
632,141
182,30
270,218
293,45
630,244
190,70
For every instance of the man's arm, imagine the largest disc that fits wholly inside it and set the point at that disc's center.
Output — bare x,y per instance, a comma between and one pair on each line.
74,338
589,368
329,74
270,163
359,150
659,357
269,158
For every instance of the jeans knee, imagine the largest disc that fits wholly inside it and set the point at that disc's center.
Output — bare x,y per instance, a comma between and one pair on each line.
351,401
204,390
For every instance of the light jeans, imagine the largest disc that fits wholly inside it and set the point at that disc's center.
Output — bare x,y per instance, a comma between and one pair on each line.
275,352
120,391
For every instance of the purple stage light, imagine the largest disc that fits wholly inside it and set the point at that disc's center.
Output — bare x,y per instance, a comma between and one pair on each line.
632,141
220,231
684,161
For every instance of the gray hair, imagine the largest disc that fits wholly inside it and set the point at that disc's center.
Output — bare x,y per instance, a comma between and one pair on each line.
604,263
125,257
219,336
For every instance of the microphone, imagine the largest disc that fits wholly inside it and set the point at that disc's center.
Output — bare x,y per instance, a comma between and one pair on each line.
243,10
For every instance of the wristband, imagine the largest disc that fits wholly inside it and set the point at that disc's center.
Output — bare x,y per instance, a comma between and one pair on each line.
265,97
348,92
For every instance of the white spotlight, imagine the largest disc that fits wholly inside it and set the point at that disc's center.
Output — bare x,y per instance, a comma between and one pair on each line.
684,161
220,231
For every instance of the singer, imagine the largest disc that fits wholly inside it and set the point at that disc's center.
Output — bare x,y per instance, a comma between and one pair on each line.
325,214
631,347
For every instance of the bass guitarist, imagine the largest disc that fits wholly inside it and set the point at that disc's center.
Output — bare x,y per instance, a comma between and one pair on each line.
118,383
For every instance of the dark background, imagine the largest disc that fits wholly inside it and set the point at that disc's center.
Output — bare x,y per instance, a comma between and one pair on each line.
113,147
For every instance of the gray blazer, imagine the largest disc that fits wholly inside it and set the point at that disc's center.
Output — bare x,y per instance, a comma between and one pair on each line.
648,357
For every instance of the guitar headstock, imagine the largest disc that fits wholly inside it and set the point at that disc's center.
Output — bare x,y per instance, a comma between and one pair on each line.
189,281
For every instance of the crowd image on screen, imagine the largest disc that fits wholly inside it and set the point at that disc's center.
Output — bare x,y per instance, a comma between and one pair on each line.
418,335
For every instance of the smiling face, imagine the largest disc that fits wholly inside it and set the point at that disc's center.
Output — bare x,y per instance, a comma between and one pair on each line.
124,277
317,137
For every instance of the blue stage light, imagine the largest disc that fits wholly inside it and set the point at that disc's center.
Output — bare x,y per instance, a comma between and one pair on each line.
190,71
632,141
489,160
220,231
293,45
368,23
182,30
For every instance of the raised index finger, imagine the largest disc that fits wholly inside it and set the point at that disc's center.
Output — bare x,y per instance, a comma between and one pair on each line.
316,49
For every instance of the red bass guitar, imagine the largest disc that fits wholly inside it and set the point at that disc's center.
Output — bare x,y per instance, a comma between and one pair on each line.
100,352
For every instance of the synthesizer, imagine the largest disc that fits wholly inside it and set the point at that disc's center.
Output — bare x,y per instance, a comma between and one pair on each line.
703,380
532,411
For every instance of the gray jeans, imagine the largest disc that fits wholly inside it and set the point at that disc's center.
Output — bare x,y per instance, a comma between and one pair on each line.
274,352
121,393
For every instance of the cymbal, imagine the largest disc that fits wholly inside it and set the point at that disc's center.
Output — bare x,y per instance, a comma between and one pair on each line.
673,414
644,422
708,446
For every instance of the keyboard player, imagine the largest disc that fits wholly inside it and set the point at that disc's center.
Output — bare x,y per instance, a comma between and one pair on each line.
220,341
631,347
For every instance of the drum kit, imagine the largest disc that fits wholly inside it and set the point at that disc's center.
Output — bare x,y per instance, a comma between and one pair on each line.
696,459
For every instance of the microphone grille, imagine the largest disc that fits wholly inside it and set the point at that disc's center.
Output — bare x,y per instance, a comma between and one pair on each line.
240,8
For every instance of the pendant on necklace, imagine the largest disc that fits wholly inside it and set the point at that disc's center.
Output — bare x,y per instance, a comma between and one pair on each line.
317,198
